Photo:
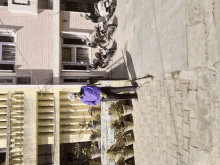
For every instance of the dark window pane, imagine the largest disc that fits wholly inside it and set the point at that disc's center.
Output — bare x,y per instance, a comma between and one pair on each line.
8,52
2,157
45,154
23,80
74,41
17,3
6,39
82,54
74,80
6,66
66,55
6,80
74,67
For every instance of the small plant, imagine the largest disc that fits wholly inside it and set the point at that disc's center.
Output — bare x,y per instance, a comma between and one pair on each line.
117,125
77,150
113,151
117,107
121,161
149,76
98,117
93,136
86,150
175,73
92,163
85,124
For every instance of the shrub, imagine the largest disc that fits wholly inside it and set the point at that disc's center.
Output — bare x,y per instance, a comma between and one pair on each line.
117,107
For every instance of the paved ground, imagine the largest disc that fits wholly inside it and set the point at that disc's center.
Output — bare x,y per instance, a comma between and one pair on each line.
176,118
166,122
151,32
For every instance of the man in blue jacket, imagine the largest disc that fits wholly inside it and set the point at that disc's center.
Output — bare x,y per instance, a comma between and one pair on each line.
93,95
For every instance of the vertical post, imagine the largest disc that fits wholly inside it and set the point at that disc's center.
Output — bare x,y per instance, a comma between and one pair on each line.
56,127
57,42
8,127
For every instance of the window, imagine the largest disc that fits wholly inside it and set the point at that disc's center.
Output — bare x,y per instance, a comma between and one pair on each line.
45,4
23,80
78,6
4,3
7,52
21,2
13,80
75,54
76,41
75,80
74,51
74,67
6,39
46,154
7,80
69,80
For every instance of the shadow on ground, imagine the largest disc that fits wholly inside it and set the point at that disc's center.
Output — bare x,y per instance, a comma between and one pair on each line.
130,68
119,72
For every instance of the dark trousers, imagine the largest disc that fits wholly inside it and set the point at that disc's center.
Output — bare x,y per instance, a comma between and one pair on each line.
112,93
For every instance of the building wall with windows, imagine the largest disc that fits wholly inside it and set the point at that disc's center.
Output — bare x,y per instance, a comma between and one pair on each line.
74,29
35,36
43,119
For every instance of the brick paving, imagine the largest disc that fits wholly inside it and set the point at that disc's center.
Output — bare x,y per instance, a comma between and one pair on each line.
160,37
165,122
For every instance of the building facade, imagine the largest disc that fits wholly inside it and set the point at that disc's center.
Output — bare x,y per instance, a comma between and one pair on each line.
43,42
42,45
35,126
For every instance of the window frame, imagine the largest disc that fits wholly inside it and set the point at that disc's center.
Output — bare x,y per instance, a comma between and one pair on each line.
76,83
75,46
5,33
14,79
23,76
8,77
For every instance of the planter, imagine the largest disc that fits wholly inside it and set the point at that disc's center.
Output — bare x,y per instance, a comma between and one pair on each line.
96,124
129,154
129,140
95,111
128,125
127,109
96,153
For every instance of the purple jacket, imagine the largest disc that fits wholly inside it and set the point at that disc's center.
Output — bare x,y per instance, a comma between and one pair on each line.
91,95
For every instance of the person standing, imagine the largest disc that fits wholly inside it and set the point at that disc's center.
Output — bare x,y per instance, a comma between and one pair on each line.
93,95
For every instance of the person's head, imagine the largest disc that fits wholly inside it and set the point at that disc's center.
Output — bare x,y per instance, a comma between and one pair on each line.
73,96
